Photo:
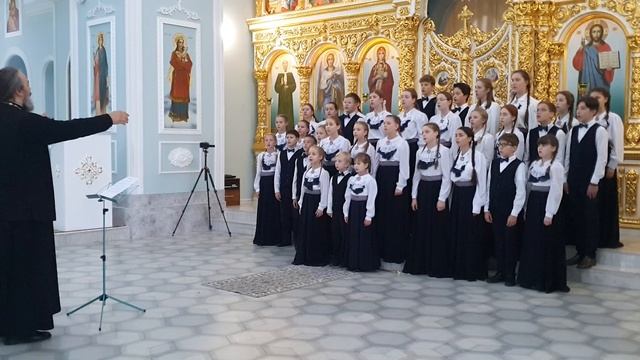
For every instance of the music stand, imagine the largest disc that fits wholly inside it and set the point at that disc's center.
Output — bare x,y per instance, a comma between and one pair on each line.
112,191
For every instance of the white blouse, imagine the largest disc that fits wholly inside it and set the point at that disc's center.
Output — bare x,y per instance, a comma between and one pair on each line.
395,149
562,143
320,180
411,123
313,125
364,185
551,174
485,143
265,164
333,147
448,125
305,163
281,140
521,104
462,171
369,150
426,158
561,122
516,132
375,122
493,122
615,129
521,186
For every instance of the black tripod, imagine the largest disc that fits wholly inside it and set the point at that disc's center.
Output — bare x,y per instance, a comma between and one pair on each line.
104,296
207,177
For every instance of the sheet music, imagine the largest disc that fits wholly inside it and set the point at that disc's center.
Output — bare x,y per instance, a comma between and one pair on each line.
609,60
119,187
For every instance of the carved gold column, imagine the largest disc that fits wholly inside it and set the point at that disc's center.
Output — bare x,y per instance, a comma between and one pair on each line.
263,126
524,17
406,31
542,64
556,52
305,74
632,131
466,60
352,70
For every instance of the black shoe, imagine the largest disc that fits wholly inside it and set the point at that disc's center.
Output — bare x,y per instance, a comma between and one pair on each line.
35,337
587,262
574,260
498,277
510,283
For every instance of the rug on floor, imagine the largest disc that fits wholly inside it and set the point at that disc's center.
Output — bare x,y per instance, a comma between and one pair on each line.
279,281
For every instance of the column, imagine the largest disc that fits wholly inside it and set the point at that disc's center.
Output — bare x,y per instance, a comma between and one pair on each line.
263,126
304,72
352,70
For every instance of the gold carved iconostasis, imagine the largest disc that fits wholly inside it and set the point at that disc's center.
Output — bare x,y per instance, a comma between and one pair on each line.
318,51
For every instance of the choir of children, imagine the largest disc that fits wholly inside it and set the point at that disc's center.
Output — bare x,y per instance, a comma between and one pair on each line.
418,191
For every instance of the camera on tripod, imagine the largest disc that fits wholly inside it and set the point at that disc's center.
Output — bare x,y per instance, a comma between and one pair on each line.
206,145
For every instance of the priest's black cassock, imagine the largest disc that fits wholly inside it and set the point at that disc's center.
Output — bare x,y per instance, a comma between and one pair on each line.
28,276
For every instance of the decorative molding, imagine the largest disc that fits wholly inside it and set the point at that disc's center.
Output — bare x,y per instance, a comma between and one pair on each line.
180,157
171,10
89,170
100,10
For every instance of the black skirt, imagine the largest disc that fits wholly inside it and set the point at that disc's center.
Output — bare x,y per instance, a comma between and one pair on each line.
392,216
268,216
469,262
361,250
608,206
313,240
29,293
429,249
542,261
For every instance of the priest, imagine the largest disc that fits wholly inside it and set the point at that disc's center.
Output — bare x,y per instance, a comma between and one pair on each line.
29,294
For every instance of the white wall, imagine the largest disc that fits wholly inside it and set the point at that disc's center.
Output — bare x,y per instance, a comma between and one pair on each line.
240,93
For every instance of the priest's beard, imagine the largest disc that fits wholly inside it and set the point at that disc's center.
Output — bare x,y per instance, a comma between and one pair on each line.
28,104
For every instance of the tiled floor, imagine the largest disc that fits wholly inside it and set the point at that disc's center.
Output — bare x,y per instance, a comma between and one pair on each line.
384,315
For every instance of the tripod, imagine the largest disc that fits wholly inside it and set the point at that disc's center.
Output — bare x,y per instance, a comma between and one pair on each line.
207,177
104,296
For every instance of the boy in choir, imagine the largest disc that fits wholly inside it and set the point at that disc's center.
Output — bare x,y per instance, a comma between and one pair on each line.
313,234
282,121
302,162
506,195
283,185
337,189
585,162
542,261
546,126
351,104
608,194
461,93
361,248
427,103
268,214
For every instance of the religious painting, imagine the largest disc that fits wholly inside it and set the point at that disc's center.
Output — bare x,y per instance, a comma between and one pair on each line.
316,3
179,77
279,6
101,69
381,72
284,89
13,15
329,81
597,57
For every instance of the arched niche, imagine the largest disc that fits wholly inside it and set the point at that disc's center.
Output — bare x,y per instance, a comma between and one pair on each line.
49,89
17,62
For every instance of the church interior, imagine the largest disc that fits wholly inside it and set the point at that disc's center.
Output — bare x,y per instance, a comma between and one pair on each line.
179,240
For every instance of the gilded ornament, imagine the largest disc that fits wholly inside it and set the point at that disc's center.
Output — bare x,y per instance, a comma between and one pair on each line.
630,192
305,73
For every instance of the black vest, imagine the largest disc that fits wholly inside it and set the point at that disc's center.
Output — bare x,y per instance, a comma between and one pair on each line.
534,136
582,159
347,129
287,167
338,192
299,175
463,115
503,186
429,109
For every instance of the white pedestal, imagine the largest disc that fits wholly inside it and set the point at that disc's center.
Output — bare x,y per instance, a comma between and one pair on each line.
81,167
